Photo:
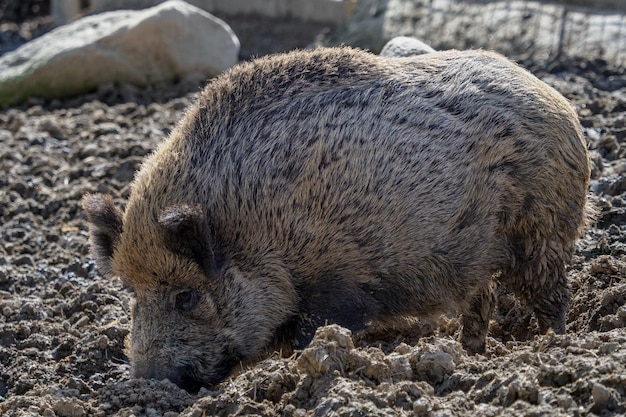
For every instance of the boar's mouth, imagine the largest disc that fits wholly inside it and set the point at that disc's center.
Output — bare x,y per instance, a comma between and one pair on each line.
188,379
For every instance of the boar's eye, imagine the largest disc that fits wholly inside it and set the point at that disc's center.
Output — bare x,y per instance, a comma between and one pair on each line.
186,300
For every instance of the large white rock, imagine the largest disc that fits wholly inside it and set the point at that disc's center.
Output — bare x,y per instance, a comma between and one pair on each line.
163,43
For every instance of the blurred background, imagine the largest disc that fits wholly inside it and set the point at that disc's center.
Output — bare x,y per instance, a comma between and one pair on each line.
111,41
541,30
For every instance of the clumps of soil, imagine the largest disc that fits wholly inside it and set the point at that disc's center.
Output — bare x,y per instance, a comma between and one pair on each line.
545,376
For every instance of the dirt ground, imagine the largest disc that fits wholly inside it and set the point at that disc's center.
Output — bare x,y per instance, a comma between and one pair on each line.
62,326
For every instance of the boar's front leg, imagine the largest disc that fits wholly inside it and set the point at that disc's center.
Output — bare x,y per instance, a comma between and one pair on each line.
476,319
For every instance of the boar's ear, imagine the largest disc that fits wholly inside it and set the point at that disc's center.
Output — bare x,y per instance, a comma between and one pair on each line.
105,227
187,232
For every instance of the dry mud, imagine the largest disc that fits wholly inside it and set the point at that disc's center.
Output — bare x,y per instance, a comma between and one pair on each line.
62,326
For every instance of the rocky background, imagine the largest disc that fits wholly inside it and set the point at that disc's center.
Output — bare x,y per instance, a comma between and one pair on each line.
62,325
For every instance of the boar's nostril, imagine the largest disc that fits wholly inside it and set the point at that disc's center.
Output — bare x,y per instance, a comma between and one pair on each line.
181,376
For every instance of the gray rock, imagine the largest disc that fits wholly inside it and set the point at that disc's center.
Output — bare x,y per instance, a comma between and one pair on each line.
405,46
160,44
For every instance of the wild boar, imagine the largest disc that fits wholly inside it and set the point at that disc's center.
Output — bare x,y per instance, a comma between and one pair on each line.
336,186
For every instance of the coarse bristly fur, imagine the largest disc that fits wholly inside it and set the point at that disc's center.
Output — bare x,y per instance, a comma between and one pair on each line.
336,186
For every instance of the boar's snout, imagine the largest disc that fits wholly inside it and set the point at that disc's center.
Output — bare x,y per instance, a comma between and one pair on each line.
183,376
186,377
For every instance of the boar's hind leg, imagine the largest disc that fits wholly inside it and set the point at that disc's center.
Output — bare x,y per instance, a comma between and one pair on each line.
551,296
476,319
541,283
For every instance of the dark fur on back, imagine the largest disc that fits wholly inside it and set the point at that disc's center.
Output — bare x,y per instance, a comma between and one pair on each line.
337,186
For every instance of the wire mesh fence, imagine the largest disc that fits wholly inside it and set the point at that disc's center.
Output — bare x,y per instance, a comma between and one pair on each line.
524,29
